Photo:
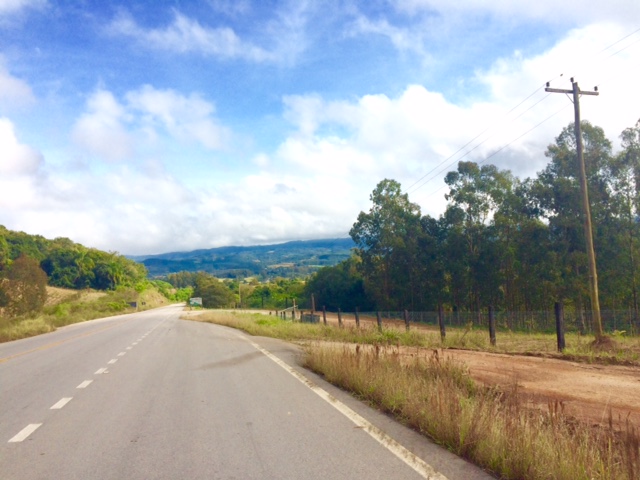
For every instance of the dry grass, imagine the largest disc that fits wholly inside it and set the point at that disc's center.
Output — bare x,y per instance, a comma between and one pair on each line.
579,348
490,427
487,426
65,307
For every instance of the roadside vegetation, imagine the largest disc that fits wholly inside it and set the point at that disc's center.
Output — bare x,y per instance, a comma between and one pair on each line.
45,284
437,397
80,306
579,347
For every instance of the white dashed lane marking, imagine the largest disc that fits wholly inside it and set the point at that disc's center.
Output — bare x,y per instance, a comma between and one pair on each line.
122,354
100,371
61,403
25,432
85,384
112,361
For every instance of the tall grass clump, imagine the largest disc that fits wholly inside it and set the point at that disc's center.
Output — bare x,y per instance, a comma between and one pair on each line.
491,428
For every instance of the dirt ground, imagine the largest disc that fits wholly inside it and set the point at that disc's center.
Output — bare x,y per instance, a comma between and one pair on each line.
588,392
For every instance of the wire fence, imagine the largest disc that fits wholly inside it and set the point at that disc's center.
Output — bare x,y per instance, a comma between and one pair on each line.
530,322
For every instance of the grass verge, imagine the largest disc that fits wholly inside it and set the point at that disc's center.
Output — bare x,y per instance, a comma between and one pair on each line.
77,307
490,427
579,348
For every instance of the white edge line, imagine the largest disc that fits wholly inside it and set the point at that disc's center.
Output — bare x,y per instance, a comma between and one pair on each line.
413,461
85,384
25,432
61,403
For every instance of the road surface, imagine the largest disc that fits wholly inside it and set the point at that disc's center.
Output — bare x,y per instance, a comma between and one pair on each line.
150,396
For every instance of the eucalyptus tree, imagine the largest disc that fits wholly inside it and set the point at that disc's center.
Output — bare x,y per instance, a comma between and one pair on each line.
557,194
386,241
624,171
475,242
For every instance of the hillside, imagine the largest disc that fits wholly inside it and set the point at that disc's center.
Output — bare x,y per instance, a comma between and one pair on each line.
297,258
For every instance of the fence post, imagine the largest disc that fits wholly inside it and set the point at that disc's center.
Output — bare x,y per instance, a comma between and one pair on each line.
492,327
406,320
379,321
339,318
443,332
357,317
324,314
559,308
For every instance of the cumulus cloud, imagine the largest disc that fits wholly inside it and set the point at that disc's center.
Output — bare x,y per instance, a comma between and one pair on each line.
102,131
114,130
13,91
419,135
185,117
16,158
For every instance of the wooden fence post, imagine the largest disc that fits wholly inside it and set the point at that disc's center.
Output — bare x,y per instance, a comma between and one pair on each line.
379,321
492,327
406,320
559,308
443,332
324,314
357,317
339,318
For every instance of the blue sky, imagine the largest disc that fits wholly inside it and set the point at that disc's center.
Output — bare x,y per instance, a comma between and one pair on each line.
148,126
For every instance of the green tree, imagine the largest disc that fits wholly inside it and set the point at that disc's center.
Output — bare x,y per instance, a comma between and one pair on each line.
557,194
386,241
24,287
214,293
340,286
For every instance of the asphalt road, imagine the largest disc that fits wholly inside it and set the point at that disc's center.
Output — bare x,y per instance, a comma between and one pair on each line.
149,396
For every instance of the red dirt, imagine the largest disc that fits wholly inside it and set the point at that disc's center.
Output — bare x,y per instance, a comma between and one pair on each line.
588,392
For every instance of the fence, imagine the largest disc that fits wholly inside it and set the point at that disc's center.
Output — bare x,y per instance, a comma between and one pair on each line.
529,322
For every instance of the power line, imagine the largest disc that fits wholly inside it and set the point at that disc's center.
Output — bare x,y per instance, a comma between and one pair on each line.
418,185
508,144
449,165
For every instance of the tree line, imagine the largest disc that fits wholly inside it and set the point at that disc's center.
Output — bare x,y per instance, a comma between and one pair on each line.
28,263
514,244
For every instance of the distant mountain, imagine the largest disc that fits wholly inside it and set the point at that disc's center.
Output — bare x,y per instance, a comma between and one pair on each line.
297,258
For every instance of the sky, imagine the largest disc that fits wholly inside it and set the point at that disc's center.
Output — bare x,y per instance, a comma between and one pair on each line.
146,127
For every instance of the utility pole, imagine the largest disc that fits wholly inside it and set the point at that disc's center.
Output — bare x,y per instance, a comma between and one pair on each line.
586,209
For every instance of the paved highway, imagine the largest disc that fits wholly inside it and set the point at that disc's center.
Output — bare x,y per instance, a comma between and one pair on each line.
149,396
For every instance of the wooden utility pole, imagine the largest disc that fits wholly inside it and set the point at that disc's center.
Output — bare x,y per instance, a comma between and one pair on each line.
586,209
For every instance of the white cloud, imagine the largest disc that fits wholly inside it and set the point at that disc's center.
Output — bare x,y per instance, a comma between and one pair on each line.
185,117
188,35
15,6
280,40
402,38
420,133
13,91
102,131
622,11
16,158
116,131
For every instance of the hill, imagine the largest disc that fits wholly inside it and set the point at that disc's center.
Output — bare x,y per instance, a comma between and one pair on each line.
297,258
